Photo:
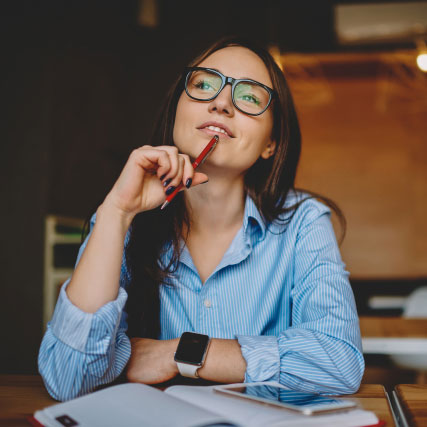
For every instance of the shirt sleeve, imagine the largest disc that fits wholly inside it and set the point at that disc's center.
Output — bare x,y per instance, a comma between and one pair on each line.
321,351
80,350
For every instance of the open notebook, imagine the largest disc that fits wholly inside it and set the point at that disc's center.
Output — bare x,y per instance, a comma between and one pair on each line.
136,405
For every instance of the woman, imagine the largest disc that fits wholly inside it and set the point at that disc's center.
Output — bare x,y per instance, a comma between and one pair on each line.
244,259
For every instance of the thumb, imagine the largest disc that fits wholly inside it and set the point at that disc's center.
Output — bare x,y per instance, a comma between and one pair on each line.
199,178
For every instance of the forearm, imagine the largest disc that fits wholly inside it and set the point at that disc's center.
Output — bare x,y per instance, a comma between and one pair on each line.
80,351
224,362
73,373
152,361
304,359
315,362
96,278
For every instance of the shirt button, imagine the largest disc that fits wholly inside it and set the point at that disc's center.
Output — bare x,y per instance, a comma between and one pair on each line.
207,303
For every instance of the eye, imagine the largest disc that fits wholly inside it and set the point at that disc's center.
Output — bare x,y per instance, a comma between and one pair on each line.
203,85
251,98
249,94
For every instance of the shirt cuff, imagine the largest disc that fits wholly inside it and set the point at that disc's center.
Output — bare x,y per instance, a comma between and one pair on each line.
262,357
80,330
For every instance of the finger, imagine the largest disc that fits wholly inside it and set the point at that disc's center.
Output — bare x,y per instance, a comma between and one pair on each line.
152,159
176,180
188,172
199,178
168,175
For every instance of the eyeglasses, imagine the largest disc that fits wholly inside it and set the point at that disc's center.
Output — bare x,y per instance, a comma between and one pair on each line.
248,96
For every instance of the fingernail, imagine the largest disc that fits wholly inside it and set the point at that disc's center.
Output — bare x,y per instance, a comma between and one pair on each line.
170,190
188,182
204,182
167,182
162,177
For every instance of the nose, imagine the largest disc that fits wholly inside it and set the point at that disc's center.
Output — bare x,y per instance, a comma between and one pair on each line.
223,103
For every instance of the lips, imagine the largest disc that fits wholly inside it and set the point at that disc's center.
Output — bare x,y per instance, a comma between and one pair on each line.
216,127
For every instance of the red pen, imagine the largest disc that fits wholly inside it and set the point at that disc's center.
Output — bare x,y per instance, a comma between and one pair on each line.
200,159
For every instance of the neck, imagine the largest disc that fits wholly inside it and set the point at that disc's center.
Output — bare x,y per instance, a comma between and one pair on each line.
216,206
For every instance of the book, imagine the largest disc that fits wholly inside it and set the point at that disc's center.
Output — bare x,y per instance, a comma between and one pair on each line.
133,405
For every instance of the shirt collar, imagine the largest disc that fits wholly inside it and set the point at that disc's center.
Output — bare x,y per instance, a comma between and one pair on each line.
253,222
254,229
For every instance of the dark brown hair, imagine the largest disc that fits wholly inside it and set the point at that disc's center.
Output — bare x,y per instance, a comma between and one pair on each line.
268,183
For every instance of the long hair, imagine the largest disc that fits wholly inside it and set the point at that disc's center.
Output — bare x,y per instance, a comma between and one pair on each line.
268,182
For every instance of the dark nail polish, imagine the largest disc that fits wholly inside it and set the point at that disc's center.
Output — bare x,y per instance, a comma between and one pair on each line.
162,177
167,182
170,190
188,182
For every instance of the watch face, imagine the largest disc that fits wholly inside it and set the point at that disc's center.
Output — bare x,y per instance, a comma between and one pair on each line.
191,348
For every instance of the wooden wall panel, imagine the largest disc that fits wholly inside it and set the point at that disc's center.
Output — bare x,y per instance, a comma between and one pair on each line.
365,146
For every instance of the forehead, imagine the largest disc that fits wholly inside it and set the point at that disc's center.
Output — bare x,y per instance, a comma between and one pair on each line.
238,62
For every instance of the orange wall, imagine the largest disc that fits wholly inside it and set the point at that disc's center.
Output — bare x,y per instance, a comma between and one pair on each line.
365,146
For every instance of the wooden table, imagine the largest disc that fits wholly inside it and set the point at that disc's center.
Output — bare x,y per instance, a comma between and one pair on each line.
21,395
394,335
411,400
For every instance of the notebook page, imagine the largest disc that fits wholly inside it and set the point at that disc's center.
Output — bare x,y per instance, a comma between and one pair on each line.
131,405
254,414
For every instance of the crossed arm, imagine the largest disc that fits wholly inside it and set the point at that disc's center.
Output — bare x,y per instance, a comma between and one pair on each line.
152,361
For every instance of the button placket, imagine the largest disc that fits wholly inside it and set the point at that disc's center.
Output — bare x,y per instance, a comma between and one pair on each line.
207,306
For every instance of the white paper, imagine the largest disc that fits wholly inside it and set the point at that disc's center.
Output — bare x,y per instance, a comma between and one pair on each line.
130,405
255,414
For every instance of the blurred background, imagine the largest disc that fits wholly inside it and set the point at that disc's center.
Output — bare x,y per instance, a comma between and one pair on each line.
82,82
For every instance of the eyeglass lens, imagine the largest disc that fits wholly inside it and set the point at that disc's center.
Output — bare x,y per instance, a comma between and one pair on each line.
248,97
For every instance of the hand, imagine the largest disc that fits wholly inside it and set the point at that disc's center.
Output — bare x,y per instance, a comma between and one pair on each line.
152,361
139,187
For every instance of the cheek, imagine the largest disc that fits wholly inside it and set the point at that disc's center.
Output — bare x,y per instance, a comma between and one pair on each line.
258,136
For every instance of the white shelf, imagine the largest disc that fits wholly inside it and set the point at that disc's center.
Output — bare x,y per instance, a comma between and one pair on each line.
53,276
62,273
63,238
391,346
387,302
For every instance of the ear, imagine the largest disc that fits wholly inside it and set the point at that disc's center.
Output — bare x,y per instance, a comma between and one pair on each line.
269,150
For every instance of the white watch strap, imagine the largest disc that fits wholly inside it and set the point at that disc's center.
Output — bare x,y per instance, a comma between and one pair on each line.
187,370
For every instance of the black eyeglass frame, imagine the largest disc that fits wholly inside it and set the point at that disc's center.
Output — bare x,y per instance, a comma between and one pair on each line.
231,81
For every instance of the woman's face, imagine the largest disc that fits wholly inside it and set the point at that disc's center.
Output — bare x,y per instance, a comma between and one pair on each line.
248,137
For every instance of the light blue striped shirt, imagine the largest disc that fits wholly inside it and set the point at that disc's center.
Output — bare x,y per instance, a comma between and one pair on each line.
282,291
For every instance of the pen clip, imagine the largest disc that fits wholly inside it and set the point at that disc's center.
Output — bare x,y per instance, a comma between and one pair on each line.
209,152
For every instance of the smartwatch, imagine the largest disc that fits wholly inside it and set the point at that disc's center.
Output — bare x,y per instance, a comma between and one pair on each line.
191,353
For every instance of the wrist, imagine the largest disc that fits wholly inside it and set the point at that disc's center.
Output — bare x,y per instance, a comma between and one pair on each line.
224,362
191,353
173,344
109,211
